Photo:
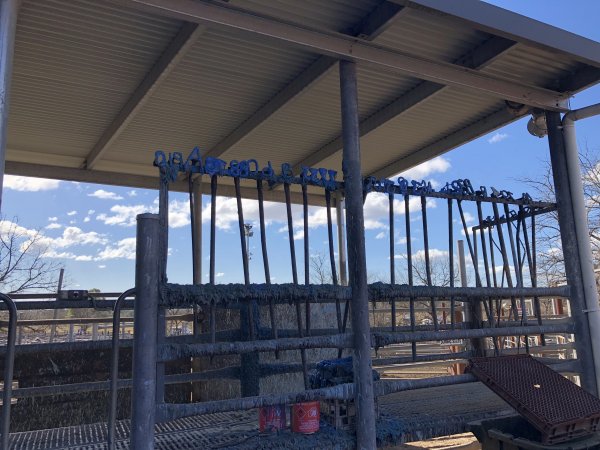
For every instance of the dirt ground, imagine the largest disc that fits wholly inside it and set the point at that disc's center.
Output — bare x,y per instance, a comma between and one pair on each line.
465,441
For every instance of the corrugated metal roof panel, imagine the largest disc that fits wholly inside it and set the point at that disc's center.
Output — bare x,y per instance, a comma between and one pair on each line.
533,66
76,63
432,37
218,84
448,111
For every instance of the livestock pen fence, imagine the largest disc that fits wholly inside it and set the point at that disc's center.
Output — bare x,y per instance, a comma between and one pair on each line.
502,301
504,269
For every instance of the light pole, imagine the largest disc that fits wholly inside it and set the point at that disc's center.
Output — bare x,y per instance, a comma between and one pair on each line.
248,233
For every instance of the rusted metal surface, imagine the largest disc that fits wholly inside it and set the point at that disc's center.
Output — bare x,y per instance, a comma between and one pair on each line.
558,408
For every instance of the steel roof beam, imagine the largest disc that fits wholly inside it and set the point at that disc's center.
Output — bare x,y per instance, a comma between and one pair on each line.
369,28
355,49
453,140
144,182
179,46
476,59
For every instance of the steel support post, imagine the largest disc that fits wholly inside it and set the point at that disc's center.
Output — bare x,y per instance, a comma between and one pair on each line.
570,247
8,26
357,266
147,276
582,229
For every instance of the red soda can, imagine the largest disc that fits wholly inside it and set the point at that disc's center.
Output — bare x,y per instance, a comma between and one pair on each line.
305,417
271,418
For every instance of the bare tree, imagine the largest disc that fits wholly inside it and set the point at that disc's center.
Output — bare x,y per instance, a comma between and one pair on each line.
22,263
320,271
439,272
550,255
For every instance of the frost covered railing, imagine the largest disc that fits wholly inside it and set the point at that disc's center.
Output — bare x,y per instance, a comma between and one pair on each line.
505,286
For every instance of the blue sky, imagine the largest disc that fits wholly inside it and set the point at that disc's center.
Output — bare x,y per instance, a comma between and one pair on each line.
90,230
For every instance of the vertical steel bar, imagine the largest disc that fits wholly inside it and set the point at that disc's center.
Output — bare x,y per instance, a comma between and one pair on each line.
451,262
472,253
306,254
427,260
498,304
341,233
341,229
290,221
392,257
409,269
363,377
242,228
531,262
212,262
484,255
55,312
148,274
504,253
518,274
9,10
9,366
516,262
114,370
334,278
265,256
472,312
196,224
250,374
573,269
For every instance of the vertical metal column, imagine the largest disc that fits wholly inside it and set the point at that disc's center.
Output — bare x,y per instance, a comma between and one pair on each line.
357,266
8,25
147,275
566,221
582,229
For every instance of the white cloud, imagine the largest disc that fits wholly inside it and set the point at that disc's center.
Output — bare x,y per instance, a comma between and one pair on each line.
52,219
53,226
219,274
435,165
125,248
72,236
132,193
179,213
87,219
91,211
27,184
71,213
380,235
102,266
498,137
123,215
376,209
105,195
67,255
433,253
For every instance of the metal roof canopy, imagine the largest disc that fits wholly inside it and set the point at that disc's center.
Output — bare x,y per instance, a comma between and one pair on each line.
99,86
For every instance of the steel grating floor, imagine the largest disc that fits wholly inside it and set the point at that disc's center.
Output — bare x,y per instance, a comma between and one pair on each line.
404,417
